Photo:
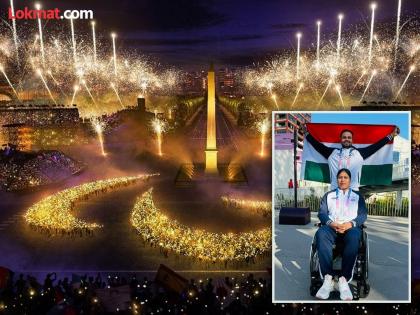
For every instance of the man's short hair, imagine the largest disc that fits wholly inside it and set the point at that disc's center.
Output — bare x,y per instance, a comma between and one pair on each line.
346,130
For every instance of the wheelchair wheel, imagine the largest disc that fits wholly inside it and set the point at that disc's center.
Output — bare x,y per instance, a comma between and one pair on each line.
316,283
363,289
313,290
366,273
356,291
366,290
366,265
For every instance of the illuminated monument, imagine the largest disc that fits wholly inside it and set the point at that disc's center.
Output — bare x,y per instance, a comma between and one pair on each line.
211,148
190,174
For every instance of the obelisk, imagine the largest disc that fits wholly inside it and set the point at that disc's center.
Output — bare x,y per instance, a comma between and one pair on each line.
211,148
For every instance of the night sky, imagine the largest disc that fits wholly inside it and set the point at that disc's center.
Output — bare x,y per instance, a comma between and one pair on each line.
190,33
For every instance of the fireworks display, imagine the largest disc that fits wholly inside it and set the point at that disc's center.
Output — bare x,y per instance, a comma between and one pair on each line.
263,127
7,79
159,127
54,213
65,70
155,227
78,65
323,75
99,127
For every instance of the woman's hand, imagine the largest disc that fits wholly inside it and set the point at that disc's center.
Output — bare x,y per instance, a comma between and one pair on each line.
335,226
342,228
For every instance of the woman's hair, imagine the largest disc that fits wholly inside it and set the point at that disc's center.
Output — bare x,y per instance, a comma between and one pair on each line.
345,170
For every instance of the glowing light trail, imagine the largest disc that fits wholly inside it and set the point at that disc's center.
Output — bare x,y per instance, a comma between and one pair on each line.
338,89
298,36
318,42
412,68
94,42
39,72
373,7
325,92
358,81
75,88
297,94
397,35
340,18
73,41
88,90
158,127
113,35
263,127
41,40
8,81
368,84
116,93
99,131
15,38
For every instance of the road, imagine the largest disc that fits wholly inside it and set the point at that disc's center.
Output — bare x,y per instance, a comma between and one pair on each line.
229,139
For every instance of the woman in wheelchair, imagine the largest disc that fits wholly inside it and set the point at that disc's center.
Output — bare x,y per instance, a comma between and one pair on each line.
342,213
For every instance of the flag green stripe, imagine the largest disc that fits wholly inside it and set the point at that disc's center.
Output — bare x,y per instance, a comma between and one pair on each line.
371,174
376,174
318,172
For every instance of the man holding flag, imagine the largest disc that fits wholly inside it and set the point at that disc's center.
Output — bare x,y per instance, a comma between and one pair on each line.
324,155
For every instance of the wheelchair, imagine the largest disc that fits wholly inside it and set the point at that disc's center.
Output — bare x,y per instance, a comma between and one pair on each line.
360,271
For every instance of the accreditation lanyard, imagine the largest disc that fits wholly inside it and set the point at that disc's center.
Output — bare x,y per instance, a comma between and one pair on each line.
337,201
347,158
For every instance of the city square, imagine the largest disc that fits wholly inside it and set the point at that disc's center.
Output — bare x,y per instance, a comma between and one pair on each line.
117,161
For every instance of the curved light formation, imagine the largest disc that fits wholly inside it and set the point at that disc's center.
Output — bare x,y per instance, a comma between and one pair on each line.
55,211
252,206
155,227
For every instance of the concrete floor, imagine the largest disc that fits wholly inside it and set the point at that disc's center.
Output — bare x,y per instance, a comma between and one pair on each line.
388,262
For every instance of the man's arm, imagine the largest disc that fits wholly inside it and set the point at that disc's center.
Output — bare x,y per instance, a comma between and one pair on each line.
320,147
323,211
373,148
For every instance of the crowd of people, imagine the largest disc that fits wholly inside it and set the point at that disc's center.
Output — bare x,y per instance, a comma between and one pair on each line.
250,206
156,228
58,136
23,170
136,294
53,215
38,115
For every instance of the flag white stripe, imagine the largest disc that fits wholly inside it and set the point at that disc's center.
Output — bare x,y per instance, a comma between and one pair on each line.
382,156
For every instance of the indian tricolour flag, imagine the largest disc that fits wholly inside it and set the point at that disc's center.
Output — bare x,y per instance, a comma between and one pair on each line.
376,170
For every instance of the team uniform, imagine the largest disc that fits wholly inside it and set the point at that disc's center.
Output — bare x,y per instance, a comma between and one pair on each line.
339,206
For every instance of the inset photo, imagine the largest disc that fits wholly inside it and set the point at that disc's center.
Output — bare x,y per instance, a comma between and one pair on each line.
341,206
